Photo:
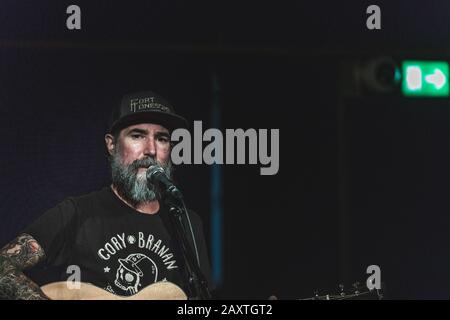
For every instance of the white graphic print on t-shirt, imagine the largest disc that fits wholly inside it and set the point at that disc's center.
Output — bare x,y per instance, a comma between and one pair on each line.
132,269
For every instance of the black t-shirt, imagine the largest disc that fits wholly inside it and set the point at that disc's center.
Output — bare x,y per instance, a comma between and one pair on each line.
116,247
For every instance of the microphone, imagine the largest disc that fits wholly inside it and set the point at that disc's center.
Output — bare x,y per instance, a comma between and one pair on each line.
157,175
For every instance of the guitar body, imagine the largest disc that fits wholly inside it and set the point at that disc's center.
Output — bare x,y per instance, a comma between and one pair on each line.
157,291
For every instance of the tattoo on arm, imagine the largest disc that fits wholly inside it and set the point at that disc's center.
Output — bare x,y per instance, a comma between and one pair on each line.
20,254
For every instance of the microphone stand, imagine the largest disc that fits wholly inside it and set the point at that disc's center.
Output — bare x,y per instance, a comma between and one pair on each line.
196,280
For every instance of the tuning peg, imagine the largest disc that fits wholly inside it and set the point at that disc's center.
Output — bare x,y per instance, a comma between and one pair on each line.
356,286
341,289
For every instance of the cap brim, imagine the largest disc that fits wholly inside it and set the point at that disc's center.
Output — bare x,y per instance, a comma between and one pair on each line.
169,121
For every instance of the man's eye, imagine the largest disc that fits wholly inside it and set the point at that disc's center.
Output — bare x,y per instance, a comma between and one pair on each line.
163,139
137,136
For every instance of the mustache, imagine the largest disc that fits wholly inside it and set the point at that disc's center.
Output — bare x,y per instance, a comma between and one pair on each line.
145,162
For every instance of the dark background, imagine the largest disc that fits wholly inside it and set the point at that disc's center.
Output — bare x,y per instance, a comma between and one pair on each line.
363,178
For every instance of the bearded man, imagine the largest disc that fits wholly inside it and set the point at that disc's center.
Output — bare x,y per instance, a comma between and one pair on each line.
119,237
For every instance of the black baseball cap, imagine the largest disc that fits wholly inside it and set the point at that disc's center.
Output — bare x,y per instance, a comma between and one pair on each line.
145,106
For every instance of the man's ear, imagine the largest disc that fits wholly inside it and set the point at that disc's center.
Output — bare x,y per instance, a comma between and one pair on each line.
110,143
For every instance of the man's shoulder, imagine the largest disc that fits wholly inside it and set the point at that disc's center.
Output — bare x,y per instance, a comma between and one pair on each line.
89,197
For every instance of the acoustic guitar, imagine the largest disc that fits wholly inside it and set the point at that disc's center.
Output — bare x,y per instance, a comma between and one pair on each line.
163,290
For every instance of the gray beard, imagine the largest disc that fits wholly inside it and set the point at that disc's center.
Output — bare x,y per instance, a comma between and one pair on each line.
132,185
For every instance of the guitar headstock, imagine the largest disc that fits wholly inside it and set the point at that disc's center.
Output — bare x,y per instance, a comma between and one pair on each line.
356,292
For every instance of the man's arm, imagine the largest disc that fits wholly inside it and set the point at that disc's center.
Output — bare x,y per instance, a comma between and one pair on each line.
20,254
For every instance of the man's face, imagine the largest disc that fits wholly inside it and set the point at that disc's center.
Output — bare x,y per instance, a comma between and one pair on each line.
137,147
144,140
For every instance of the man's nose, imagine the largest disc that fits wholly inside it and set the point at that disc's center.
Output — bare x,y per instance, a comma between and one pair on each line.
150,148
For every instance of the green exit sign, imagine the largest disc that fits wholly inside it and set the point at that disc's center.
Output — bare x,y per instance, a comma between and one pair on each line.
425,78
